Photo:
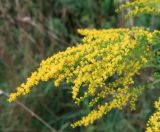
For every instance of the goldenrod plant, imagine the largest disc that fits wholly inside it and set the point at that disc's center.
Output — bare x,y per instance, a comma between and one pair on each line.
154,121
102,67
141,6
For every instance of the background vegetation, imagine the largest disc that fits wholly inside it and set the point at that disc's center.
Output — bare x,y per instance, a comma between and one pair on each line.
33,30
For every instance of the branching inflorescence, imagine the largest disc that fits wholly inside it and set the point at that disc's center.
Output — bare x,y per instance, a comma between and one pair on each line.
154,121
141,6
102,67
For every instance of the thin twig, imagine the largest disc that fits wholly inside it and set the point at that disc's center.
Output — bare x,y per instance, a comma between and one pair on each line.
155,82
30,111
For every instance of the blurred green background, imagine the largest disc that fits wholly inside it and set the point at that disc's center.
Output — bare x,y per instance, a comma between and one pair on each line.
34,30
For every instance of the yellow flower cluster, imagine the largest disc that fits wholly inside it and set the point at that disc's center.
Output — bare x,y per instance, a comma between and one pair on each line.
154,121
101,69
141,6
120,99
